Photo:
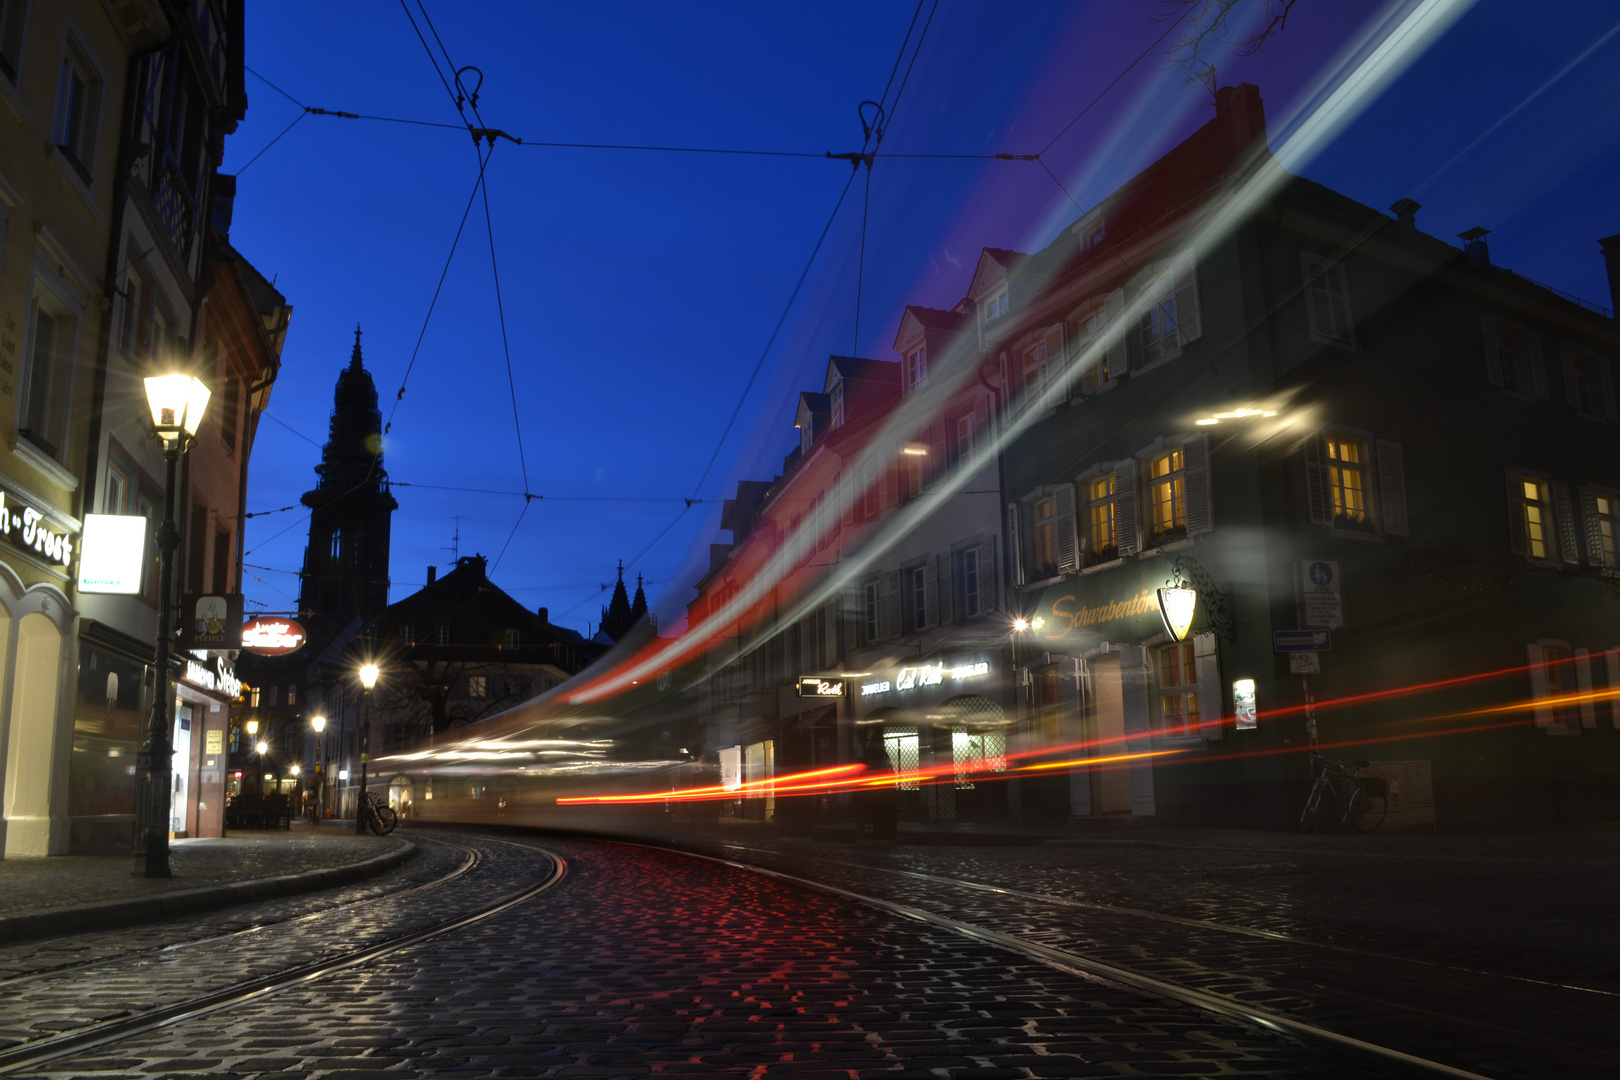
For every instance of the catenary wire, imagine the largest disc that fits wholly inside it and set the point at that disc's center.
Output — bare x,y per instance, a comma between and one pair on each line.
506,345
277,420
271,143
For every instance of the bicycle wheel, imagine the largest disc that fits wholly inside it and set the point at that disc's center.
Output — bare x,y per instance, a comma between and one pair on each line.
1366,810
1313,806
383,819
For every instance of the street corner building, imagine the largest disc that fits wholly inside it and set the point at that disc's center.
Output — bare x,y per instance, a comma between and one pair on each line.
116,264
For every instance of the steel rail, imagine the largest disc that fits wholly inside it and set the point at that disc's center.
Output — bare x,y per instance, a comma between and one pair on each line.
1197,924
1085,967
467,864
33,1054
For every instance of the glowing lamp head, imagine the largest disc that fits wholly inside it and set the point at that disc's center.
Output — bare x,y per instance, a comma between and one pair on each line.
318,723
178,403
253,727
262,747
295,769
1176,605
368,675
1020,625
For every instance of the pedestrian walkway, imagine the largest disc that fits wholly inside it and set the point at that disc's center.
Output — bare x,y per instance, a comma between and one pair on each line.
59,894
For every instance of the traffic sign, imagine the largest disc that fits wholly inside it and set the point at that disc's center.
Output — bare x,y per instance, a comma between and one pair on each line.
1302,640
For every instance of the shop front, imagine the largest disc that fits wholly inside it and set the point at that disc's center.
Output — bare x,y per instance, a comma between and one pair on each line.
203,695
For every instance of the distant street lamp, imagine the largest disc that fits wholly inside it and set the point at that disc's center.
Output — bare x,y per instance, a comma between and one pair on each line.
318,725
178,403
253,729
368,681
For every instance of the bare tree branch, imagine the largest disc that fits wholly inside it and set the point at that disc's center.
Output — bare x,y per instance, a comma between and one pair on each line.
1209,24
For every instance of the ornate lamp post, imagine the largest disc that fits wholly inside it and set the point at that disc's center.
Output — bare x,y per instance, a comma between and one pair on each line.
318,725
177,403
368,680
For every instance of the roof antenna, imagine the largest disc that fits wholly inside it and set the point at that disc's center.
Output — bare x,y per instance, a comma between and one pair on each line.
455,543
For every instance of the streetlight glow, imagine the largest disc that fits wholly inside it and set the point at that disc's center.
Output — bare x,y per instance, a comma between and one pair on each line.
262,747
1020,624
295,768
252,727
178,403
318,723
368,675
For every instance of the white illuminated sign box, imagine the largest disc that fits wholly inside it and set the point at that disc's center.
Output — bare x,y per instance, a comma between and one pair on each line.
112,553
1243,705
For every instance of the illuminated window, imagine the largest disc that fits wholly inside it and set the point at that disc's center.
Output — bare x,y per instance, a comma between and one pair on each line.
903,750
916,368
1178,688
292,694
1535,510
1600,529
477,686
1043,518
1347,481
1102,534
1167,493
910,475
976,752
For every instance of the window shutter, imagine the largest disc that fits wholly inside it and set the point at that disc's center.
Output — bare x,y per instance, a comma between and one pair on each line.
1538,685
1611,660
851,620
943,615
987,575
1068,547
1327,300
1570,393
889,605
1606,388
1006,388
1565,510
935,468
1583,683
1538,367
1125,506
1200,496
891,487
1518,541
1057,366
1493,351
1392,488
1594,528
1211,702
1189,321
1114,363
1015,548
1316,480
930,595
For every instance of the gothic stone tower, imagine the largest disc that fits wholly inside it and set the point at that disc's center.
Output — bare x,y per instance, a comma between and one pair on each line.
346,562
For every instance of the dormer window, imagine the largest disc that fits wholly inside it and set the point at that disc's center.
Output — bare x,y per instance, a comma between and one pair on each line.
806,436
837,394
993,306
916,369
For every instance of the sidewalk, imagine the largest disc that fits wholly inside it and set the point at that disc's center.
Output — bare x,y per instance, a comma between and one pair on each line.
62,894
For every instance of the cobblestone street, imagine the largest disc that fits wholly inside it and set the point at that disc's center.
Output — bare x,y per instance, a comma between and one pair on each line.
640,962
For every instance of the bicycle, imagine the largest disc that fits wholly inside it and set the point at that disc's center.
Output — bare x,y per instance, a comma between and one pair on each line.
380,817
1360,802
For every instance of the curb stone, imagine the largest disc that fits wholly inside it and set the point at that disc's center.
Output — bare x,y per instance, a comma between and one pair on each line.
118,913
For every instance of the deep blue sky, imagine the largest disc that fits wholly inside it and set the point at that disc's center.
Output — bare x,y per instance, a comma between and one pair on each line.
640,288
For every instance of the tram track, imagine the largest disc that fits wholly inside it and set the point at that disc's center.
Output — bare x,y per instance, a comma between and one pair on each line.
116,1028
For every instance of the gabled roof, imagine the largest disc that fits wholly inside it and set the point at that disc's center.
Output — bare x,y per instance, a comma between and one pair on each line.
992,269
811,404
918,321
473,607
860,369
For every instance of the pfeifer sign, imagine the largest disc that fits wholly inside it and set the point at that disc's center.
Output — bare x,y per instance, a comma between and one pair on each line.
270,636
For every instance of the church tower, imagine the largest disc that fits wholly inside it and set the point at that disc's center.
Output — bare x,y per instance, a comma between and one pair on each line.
346,562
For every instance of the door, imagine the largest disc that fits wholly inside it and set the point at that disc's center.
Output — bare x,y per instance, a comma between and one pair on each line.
180,770
1105,715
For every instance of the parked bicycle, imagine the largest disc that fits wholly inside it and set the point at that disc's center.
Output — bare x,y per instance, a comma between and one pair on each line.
380,817
1344,797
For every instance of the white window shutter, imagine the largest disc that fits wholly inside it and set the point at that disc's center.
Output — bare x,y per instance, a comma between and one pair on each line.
889,606
1189,320
1493,350
944,614
1583,683
1539,690
1057,365
1006,388
1327,300
1114,334
1611,661
1538,366
1125,506
1564,509
1594,528
1392,488
1316,480
1211,703
1068,541
1200,493
1518,538
1015,547
1606,388
930,595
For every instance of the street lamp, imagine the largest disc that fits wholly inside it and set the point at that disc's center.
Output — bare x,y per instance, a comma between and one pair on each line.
178,403
368,680
318,725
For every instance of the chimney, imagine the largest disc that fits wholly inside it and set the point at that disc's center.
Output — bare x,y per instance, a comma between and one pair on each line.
1240,106
1611,257
1474,246
433,574
1405,212
545,614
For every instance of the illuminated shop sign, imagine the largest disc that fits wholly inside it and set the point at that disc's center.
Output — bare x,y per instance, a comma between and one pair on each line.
27,528
811,686
220,679
112,553
272,637
910,678
211,621
876,687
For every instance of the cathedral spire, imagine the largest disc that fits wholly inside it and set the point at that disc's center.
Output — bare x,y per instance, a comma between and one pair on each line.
355,363
616,617
638,606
